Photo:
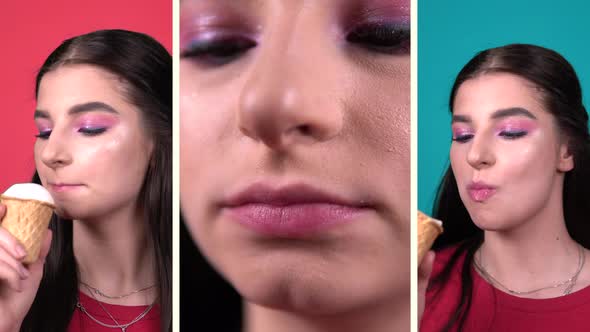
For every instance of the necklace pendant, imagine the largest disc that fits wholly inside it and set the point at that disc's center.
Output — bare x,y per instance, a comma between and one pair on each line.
123,329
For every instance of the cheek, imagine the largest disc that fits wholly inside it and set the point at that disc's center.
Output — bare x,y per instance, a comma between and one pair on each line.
39,165
458,160
531,162
118,164
205,121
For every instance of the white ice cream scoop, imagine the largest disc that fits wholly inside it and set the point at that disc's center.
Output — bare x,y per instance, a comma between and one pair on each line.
29,191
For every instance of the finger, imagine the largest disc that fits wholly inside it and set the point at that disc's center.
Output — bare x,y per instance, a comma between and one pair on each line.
14,263
10,276
9,243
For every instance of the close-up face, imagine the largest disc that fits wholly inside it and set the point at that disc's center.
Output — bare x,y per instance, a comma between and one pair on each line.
507,155
295,148
92,151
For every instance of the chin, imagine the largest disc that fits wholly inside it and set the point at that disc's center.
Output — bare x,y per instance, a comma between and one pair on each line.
296,293
306,286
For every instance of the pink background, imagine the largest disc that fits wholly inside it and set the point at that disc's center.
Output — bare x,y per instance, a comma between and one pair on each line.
29,31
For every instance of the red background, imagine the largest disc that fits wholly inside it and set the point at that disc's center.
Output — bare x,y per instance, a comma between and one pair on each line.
30,31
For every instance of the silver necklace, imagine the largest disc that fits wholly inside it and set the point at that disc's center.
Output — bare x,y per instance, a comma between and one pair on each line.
114,297
571,282
123,327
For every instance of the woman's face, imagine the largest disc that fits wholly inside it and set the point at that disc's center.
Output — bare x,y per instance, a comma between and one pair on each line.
91,152
295,159
507,154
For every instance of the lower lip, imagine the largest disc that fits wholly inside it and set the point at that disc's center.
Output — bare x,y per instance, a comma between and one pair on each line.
63,188
293,221
481,195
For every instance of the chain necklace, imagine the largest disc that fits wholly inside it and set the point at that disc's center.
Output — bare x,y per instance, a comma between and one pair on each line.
114,297
571,282
123,327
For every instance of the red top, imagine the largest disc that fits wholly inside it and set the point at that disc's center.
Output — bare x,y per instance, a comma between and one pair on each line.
495,310
123,314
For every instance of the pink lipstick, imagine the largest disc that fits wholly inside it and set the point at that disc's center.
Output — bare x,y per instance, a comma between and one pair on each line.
480,191
63,187
294,211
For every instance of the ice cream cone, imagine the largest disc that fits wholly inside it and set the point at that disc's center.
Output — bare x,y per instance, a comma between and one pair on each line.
428,230
27,220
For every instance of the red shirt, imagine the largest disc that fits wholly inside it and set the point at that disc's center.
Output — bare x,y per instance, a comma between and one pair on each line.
123,314
495,310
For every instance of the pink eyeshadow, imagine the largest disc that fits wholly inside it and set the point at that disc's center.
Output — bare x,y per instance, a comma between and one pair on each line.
517,125
95,121
43,125
461,130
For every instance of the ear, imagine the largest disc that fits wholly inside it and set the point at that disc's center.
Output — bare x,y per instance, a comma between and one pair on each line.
566,159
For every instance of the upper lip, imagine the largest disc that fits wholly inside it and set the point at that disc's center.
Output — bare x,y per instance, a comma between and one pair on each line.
262,193
61,184
479,185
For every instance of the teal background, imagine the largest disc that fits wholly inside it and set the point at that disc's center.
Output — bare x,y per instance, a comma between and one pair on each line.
450,33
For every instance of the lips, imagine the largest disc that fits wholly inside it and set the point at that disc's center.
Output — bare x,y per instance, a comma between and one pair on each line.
480,191
292,211
59,187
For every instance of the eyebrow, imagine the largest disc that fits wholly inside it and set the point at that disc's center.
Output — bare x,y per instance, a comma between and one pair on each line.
501,113
513,111
94,106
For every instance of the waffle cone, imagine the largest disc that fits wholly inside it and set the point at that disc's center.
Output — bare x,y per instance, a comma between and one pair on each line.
27,220
428,231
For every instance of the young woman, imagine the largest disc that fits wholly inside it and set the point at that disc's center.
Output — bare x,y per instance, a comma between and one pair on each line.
295,158
104,153
515,199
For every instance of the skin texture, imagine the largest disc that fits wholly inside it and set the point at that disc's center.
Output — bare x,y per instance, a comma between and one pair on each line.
523,220
110,166
511,164
302,106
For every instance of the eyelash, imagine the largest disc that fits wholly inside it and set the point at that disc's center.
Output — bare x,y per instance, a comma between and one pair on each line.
218,52
384,38
44,134
462,138
91,131
509,135
83,131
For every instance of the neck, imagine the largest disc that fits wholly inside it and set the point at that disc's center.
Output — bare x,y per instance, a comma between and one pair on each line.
380,318
537,253
114,254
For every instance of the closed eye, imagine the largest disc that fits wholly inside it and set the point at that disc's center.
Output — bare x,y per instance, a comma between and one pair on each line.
91,131
463,138
387,38
513,134
43,134
217,52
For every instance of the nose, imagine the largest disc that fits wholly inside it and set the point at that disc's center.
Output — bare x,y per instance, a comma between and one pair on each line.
480,154
54,152
288,97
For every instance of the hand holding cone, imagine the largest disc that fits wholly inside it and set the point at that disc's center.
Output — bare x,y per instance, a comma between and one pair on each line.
428,230
28,212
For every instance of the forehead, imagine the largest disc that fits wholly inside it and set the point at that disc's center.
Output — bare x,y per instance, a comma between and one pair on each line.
488,93
71,85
